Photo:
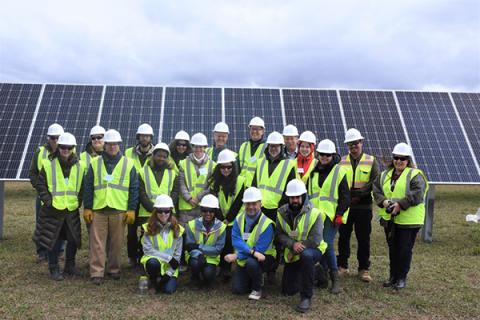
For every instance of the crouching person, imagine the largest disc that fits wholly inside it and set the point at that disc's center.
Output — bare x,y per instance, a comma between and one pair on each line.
252,238
162,246
59,186
204,243
299,230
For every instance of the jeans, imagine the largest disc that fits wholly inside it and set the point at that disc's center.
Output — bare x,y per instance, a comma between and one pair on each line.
70,252
300,275
202,271
329,233
400,249
249,277
165,284
359,220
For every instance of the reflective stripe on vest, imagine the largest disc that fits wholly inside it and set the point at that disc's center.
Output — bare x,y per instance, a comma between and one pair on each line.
227,201
247,168
118,186
211,241
362,170
64,195
264,182
193,187
42,155
153,191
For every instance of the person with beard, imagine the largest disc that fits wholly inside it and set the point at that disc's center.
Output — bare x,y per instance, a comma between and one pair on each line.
299,228
205,239
229,187
94,147
156,177
162,246
329,191
220,138
306,155
60,187
252,150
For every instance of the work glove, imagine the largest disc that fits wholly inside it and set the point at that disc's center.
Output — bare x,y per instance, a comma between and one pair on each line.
129,217
191,246
338,220
201,260
173,263
88,215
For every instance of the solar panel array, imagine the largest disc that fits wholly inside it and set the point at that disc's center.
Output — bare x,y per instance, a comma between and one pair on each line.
441,127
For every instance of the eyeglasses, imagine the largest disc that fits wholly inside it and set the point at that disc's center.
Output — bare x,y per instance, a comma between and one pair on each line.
226,167
163,211
328,155
53,137
256,128
397,158
96,138
66,147
353,143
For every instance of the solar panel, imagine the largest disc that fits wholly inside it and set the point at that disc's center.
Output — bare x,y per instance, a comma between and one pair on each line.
125,108
191,109
436,137
75,107
242,104
468,106
375,115
317,111
17,107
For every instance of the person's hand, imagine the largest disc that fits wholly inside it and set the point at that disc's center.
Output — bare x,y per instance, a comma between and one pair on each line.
88,215
201,259
129,217
338,220
230,257
386,203
259,256
191,246
298,247
193,201
173,263
396,209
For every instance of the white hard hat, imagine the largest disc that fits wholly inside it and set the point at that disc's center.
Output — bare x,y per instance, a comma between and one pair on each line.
403,149
257,122
226,156
112,136
252,194
67,139
295,188
163,201
161,146
182,135
352,134
221,127
97,130
55,130
275,138
209,201
145,129
199,139
326,146
308,136
290,131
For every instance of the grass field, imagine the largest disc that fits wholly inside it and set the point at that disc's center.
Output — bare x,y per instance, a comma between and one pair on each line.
444,282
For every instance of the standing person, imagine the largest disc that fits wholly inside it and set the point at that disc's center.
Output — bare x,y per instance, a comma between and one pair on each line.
180,147
204,242
400,193
329,191
60,186
162,246
94,147
228,186
252,238
290,135
110,200
139,154
53,133
362,170
300,231
252,150
220,139
306,156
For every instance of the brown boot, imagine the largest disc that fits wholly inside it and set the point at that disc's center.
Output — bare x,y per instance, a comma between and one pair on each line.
365,276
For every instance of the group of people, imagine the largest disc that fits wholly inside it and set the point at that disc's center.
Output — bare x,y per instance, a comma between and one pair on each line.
281,199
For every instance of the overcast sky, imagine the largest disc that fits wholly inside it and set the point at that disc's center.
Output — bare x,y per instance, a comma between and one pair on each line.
385,44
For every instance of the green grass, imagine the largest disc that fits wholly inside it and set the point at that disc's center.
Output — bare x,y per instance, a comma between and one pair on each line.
444,282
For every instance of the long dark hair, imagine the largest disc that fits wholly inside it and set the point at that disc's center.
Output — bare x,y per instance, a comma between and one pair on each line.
218,180
174,153
152,227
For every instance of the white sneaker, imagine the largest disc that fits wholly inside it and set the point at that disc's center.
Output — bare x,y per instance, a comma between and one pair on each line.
255,295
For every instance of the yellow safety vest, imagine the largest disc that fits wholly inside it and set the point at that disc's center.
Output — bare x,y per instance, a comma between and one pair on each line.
161,246
414,215
42,155
255,234
195,183
300,231
248,162
226,202
309,170
64,191
362,171
326,197
217,230
111,190
272,187
131,154
152,188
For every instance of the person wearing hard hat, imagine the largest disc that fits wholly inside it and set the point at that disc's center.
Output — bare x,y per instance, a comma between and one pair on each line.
94,147
110,201
220,138
228,186
306,155
162,246
329,191
60,187
252,150
299,228
362,170
157,177
400,193
180,147
290,135
204,242
252,238
53,133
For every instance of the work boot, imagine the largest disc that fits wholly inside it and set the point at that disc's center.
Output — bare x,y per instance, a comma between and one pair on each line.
365,276
97,280
132,262
321,277
335,282
71,270
390,282
401,284
342,272
55,273
304,305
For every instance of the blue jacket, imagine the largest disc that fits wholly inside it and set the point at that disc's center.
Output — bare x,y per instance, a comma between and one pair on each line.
213,250
241,247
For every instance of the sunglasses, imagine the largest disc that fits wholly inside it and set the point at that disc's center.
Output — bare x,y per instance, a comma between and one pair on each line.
226,167
96,138
184,145
53,137
328,155
208,210
66,147
397,158
163,211
353,143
